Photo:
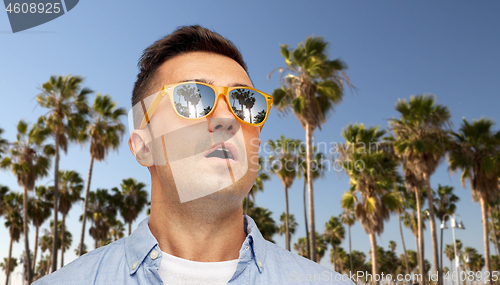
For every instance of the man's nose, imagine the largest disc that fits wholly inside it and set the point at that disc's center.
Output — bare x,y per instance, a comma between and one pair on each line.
222,119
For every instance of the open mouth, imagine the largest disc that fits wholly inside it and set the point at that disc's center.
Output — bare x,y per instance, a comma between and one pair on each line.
221,151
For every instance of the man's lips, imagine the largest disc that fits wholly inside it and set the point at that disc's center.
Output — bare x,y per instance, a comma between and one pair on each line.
225,145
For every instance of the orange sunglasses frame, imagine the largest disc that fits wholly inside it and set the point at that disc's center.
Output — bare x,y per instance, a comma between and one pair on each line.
220,90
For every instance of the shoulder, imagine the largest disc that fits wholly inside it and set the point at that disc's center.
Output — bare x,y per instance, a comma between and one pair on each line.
85,268
296,269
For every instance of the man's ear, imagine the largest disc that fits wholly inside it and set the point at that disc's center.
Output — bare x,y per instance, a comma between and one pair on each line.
138,147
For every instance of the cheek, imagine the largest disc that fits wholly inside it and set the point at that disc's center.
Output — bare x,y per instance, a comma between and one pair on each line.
252,140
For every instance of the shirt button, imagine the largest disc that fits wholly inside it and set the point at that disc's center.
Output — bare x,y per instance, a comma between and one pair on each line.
154,254
259,263
246,248
134,266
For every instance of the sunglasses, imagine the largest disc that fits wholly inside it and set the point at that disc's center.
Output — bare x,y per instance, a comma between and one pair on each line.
196,100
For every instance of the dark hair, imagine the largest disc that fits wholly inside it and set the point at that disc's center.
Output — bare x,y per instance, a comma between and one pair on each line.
183,40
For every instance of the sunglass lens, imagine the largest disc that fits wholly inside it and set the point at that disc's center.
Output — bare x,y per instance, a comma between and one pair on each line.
248,105
193,100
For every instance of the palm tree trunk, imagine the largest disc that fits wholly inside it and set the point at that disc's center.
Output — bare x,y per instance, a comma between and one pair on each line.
420,235
373,241
287,230
484,211
430,201
26,236
7,272
334,257
35,249
85,204
403,242
305,217
129,228
56,200
62,239
417,250
494,231
350,253
312,225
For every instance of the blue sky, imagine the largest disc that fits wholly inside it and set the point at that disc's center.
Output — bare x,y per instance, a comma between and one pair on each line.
394,49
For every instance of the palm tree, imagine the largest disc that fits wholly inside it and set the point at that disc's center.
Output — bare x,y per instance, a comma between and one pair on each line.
39,211
243,99
476,151
475,260
4,191
373,176
422,140
302,247
494,208
28,161
495,263
195,99
12,210
449,251
258,186
190,94
444,203
117,230
65,238
132,200
334,234
45,242
105,131
5,265
263,220
66,102
339,257
321,246
410,219
401,211
43,267
318,169
348,219
77,250
249,103
292,225
101,211
412,259
283,161
311,85
3,143
70,188
392,245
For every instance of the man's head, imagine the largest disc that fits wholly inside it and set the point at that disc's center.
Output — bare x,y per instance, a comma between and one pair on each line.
178,150
183,40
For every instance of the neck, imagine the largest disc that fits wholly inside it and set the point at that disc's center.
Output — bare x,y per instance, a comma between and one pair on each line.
206,230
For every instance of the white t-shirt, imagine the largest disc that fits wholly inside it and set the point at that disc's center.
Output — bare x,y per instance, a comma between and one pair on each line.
176,270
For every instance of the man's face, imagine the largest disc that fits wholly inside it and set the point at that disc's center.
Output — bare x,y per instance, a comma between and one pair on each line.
186,153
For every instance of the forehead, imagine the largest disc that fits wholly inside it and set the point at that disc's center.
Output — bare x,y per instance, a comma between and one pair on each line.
218,69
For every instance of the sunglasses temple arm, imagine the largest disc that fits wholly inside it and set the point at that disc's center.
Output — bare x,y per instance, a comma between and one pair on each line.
152,109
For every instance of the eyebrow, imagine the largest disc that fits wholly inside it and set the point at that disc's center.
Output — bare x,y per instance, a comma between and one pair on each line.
211,82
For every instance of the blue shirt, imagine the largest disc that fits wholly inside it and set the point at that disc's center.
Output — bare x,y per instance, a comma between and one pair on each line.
135,260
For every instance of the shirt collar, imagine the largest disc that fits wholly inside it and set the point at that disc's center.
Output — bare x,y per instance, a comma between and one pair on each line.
138,245
141,242
257,242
